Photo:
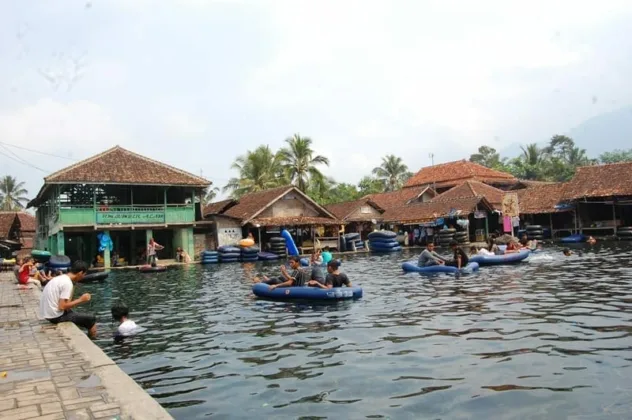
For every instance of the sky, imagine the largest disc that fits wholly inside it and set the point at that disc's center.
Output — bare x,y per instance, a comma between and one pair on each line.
195,83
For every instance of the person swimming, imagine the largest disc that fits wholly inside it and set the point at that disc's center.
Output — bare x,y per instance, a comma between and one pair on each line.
567,252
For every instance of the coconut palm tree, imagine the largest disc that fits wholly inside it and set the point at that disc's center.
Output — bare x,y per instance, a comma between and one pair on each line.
299,161
530,165
209,195
393,173
12,193
259,170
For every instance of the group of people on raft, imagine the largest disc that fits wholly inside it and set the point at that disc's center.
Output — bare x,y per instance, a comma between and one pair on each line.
297,276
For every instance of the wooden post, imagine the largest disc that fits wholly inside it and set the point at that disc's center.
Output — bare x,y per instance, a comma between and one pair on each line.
614,218
94,203
106,253
551,224
165,203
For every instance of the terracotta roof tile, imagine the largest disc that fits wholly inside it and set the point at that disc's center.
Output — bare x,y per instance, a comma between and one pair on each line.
397,198
344,210
424,212
218,207
120,166
294,221
7,219
27,222
540,199
471,189
610,180
250,205
453,173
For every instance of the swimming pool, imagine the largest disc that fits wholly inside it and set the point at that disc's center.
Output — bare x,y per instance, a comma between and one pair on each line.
544,339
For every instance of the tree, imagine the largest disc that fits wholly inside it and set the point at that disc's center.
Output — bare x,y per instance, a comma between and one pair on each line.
616,156
299,161
12,194
393,173
487,156
259,170
331,192
209,195
369,185
529,165
562,158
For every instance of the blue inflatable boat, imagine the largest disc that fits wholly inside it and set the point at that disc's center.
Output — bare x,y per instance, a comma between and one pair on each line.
306,293
511,258
573,239
412,267
289,243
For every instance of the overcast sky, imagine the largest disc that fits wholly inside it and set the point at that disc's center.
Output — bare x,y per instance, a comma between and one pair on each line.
195,83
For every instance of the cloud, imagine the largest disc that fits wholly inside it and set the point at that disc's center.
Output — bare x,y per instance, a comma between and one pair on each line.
181,125
78,127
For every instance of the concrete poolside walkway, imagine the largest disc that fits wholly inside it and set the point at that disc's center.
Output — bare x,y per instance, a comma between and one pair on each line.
52,372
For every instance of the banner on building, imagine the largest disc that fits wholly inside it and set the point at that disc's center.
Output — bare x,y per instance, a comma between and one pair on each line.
510,205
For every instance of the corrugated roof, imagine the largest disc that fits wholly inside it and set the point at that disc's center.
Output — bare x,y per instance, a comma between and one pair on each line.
540,199
610,180
425,212
453,173
471,189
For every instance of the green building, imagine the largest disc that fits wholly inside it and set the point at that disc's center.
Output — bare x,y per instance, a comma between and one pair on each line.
125,195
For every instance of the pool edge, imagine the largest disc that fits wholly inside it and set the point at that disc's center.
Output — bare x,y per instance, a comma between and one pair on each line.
135,402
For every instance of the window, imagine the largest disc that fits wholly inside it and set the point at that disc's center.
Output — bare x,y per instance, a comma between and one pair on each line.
365,209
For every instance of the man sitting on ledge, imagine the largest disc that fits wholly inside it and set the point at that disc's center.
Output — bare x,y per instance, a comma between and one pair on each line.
56,304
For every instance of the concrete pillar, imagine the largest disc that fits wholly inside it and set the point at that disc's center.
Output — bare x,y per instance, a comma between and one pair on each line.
148,235
106,253
61,248
132,247
189,245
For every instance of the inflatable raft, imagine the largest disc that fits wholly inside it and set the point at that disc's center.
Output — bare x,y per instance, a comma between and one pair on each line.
412,267
306,293
95,277
573,239
289,243
511,258
150,269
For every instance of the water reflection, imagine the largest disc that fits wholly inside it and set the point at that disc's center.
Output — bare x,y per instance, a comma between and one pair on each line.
545,339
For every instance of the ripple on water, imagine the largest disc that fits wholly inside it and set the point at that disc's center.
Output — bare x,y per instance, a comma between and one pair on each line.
545,339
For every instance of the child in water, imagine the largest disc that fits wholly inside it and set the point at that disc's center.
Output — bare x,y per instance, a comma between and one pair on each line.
127,327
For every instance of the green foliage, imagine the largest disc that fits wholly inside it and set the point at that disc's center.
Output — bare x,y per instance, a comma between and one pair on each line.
489,157
12,194
369,185
259,170
299,161
392,173
616,156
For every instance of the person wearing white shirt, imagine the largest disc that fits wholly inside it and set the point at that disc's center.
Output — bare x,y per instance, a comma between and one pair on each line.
127,327
56,302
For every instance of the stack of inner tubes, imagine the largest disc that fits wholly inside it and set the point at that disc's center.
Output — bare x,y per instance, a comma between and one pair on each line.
445,236
462,237
353,240
624,232
535,232
59,262
210,257
229,253
277,246
384,241
267,256
250,254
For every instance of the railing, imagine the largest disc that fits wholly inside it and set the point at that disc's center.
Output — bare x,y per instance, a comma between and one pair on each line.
123,215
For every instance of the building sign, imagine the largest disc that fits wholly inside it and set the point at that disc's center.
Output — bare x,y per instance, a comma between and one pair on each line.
130,218
510,205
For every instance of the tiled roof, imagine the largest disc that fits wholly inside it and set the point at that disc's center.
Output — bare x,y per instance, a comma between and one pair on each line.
541,199
344,210
250,205
7,218
610,180
453,173
27,222
218,207
424,212
471,189
121,166
294,221
396,198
